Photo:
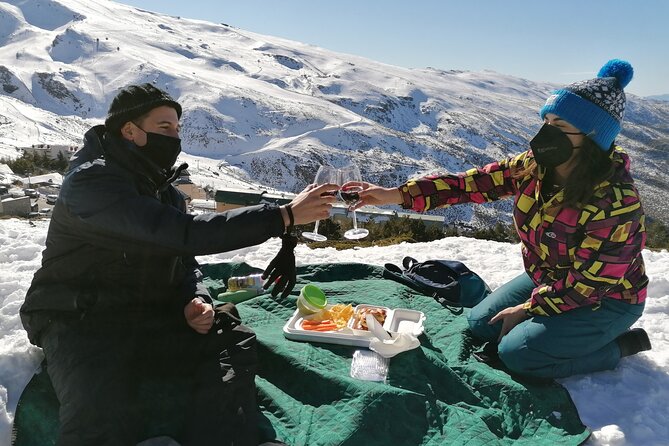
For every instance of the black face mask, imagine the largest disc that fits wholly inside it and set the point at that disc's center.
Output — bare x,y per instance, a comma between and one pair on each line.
551,146
161,149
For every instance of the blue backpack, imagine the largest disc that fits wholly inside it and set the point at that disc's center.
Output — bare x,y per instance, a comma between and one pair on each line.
449,282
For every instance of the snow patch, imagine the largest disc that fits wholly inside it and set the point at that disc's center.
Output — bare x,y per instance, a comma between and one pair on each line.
71,46
9,22
45,14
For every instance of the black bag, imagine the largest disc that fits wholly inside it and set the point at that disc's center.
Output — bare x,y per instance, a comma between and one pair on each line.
449,282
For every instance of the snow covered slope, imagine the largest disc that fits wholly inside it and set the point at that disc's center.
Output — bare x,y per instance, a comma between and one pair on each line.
269,110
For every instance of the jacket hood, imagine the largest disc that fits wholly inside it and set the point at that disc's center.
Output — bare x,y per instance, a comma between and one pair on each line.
101,145
621,167
91,150
621,164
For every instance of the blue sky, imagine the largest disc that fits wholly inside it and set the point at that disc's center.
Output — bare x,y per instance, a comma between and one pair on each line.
556,41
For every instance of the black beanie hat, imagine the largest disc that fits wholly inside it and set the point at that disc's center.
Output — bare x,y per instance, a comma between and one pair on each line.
134,101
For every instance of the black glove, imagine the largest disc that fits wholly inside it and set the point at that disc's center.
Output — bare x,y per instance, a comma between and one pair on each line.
282,268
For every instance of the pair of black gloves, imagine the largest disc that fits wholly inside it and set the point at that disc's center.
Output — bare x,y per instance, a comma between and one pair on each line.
281,270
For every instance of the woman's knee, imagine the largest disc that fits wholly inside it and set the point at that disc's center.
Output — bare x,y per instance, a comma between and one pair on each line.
519,359
515,358
513,350
478,324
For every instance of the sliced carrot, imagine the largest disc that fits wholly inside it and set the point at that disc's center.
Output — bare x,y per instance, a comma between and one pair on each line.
320,327
326,328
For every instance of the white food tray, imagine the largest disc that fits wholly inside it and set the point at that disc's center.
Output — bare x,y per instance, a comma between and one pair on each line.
398,320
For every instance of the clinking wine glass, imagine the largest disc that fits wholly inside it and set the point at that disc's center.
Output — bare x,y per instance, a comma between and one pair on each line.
326,174
351,196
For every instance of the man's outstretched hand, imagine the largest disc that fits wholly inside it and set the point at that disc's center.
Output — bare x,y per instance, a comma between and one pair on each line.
281,270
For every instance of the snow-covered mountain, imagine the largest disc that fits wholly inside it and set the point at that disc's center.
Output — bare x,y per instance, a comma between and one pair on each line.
271,110
659,97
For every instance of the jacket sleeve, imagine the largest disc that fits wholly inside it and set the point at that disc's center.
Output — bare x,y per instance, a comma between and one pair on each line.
192,285
104,208
614,236
477,185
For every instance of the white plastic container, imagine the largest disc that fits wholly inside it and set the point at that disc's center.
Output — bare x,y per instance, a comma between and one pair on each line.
402,320
369,366
398,320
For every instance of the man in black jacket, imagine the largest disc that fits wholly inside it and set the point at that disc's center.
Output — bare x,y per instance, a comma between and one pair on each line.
118,303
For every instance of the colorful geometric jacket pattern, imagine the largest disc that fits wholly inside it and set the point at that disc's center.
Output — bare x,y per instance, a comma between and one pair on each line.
574,256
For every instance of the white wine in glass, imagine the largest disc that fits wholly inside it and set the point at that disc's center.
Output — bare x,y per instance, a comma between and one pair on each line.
326,174
351,196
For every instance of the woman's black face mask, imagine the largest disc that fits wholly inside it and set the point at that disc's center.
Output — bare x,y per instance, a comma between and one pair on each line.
161,149
551,146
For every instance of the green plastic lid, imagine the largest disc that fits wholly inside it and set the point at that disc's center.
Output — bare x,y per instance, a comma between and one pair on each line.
314,295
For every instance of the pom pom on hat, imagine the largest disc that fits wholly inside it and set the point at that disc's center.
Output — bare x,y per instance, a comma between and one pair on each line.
620,69
594,106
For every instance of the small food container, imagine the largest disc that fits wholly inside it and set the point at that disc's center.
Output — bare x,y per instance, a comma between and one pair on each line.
311,300
403,320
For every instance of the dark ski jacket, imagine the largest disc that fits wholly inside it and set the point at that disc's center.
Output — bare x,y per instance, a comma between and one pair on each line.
120,240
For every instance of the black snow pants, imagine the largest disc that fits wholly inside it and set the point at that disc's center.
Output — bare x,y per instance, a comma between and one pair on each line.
122,378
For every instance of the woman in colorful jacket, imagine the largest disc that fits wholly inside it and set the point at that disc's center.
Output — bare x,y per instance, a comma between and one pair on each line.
581,225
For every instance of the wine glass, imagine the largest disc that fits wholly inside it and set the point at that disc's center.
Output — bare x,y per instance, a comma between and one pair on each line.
326,174
350,197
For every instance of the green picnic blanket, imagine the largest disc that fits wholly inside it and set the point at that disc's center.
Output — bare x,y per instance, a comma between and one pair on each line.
437,394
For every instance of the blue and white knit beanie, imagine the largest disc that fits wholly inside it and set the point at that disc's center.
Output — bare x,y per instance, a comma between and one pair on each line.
595,106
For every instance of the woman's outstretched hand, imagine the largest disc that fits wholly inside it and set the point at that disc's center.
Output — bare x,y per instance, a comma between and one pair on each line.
374,195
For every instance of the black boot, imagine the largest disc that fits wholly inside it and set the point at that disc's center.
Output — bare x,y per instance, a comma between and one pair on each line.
633,341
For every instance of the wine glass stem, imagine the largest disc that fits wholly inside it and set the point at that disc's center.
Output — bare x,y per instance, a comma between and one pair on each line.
355,221
316,227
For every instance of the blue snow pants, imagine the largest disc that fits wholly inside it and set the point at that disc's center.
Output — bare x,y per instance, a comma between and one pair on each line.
574,342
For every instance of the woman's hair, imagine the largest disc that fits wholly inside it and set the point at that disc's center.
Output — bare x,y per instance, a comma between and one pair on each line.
593,165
